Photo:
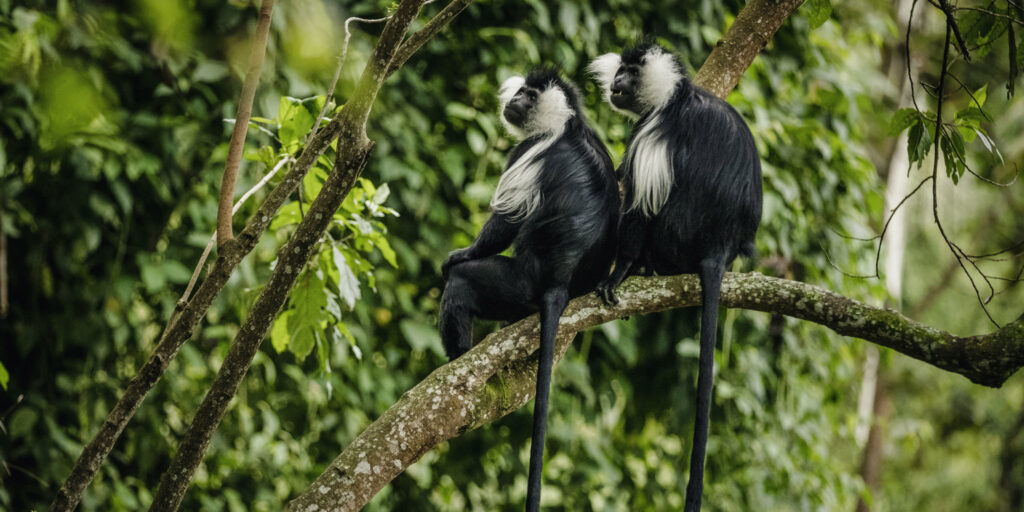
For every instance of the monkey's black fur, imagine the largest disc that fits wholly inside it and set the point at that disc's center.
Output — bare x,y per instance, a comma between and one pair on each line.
563,248
710,217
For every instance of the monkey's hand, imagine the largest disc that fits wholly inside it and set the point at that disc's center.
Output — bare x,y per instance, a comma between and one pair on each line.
606,290
454,258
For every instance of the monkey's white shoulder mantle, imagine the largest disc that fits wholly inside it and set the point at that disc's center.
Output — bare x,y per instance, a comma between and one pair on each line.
518,191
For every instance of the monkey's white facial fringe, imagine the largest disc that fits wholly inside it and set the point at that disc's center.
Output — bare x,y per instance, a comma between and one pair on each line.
649,159
550,113
659,77
518,192
603,70
508,90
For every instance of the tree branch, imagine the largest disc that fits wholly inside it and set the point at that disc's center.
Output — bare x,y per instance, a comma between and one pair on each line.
225,231
187,316
421,36
498,375
749,34
353,150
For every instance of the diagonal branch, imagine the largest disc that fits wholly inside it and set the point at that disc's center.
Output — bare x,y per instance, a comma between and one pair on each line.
421,36
186,317
353,150
252,78
498,375
749,34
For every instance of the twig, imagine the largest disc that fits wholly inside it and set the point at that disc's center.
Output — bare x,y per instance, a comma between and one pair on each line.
951,23
881,237
935,169
337,70
906,49
252,78
213,238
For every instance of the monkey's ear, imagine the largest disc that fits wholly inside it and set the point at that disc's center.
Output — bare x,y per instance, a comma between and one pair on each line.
509,88
604,68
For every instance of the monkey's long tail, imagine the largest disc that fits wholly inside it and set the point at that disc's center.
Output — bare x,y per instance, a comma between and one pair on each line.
711,272
552,304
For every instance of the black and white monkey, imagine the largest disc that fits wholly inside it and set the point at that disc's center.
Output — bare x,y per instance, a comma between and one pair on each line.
557,203
692,179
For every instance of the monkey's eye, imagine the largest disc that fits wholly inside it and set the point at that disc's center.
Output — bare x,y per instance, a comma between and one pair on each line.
531,94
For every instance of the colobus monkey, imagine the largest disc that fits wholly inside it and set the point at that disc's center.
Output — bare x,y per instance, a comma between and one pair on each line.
692,179
558,204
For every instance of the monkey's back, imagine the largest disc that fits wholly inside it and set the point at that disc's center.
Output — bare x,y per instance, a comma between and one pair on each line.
714,208
571,236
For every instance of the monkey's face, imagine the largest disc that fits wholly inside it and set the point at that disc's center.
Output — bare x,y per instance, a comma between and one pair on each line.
641,79
517,110
539,104
625,87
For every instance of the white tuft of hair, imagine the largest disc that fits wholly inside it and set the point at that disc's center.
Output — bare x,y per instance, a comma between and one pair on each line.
518,191
603,69
550,113
660,76
508,89
649,159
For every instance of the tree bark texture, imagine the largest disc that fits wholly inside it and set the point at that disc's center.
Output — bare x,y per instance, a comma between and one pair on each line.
749,34
498,375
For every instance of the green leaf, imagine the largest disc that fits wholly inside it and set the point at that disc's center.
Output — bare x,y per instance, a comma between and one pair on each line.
421,336
903,119
302,343
459,111
4,377
970,116
381,194
981,95
348,284
294,121
279,337
818,12
385,249
309,298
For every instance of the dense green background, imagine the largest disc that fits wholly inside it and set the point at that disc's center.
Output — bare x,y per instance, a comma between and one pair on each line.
112,141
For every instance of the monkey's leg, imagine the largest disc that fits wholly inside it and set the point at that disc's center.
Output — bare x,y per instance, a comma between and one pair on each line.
492,288
552,304
632,236
711,272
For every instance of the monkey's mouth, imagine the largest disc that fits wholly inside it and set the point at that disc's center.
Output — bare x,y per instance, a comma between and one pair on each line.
515,116
623,99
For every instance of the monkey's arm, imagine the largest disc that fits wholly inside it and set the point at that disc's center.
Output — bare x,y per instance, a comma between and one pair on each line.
632,235
496,236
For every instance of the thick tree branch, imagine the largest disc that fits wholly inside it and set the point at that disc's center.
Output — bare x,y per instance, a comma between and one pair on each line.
225,231
749,34
498,375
